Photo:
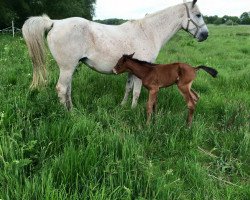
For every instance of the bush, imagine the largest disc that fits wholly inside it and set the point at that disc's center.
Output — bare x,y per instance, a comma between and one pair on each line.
230,22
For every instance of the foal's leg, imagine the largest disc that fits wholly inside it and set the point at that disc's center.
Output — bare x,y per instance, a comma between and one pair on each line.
185,91
151,103
64,86
129,86
136,90
195,96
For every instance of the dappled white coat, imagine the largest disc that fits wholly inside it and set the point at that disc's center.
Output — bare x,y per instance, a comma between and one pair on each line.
100,46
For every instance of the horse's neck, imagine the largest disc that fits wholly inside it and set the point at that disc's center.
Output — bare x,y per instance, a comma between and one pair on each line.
164,24
137,69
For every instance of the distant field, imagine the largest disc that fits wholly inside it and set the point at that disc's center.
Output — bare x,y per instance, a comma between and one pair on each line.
102,150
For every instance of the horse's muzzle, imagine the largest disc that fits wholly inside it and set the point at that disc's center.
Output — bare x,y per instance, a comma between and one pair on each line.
202,36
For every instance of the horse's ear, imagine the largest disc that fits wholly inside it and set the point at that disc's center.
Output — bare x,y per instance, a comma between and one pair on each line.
194,2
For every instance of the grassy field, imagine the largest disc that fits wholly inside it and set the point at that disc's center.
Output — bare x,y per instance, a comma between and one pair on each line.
102,150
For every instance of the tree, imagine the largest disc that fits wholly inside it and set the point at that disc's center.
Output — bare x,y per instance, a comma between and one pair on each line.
218,21
230,20
112,21
211,19
245,18
70,8
20,10
9,10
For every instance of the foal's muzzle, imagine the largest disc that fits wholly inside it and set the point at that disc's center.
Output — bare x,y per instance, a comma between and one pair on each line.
114,71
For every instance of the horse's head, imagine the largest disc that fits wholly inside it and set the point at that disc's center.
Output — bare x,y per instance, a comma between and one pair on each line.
193,22
121,66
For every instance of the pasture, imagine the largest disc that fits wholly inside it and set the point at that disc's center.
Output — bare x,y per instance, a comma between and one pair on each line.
102,150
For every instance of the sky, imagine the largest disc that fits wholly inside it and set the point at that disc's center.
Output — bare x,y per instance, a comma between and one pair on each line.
135,9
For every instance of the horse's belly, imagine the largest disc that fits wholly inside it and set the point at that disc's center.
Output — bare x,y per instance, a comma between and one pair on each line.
102,67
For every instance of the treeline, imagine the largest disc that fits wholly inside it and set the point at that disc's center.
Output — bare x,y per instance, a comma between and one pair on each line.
19,10
228,20
112,21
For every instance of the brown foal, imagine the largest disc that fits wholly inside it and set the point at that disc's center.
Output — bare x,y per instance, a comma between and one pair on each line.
156,76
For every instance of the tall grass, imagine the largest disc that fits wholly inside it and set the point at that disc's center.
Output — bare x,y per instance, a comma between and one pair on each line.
102,150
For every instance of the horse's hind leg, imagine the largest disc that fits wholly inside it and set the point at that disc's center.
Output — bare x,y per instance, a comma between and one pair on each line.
129,86
64,87
136,90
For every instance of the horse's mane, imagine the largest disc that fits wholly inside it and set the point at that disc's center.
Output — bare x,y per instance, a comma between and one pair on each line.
142,62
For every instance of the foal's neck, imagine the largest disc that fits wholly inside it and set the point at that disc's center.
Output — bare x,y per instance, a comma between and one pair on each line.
164,24
138,69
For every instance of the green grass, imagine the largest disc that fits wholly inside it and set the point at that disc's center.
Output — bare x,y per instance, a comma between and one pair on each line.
102,150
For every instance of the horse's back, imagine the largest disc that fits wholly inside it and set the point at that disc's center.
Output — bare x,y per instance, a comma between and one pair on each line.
74,38
66,39
73,25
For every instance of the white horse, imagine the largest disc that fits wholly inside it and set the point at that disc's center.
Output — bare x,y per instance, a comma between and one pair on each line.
99,46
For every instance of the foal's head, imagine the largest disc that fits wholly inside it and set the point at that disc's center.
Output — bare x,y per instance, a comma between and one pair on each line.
193,22
121,66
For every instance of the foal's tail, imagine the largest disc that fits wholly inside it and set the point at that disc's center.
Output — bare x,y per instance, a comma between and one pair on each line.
33,31
213,72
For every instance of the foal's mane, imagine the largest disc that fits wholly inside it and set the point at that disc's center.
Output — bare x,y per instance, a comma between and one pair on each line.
141,62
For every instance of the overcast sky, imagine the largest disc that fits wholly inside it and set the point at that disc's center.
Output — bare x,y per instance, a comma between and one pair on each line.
134,9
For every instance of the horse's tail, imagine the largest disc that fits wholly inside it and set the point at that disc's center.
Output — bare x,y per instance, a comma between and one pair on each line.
33,31
213,72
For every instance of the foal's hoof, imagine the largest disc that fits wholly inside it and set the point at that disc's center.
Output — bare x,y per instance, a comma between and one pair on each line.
189,124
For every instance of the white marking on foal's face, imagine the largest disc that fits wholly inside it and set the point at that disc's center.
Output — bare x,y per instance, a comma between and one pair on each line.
114,71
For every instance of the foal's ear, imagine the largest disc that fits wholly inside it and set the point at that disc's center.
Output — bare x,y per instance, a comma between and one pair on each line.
131,55
194,2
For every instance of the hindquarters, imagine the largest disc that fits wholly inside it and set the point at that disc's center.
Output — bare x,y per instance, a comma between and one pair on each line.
186,74
67,41
67,45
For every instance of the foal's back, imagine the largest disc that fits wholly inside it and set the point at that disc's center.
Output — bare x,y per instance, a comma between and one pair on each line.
164,75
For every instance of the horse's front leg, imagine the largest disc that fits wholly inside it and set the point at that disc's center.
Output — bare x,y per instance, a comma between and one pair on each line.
128,88
136,90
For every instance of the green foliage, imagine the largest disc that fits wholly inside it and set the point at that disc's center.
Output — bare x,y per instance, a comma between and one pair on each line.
244,19
210,19
102,150
218,21
70,8
230,22
19,10
113,21
231,19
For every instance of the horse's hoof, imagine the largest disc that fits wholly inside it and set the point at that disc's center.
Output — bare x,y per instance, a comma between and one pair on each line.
123,103
133,105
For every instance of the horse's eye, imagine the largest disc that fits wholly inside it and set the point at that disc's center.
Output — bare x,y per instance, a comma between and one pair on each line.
198,15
